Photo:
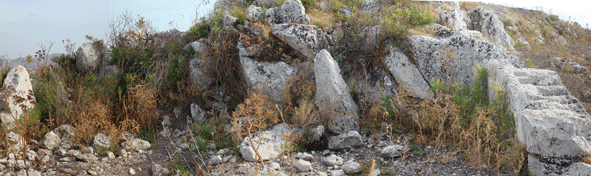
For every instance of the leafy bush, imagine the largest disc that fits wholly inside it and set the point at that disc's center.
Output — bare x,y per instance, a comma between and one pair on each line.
207,27
309,3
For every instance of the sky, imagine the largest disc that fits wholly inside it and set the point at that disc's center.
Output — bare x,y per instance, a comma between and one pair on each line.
27,24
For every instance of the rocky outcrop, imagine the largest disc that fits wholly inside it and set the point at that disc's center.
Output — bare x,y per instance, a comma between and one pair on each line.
454,19
307,39
197,66
268,77
333,96
490,26
550,123
569,65
451,55
271,143
345,140
406,74
227,4
87,57
292,11
17,96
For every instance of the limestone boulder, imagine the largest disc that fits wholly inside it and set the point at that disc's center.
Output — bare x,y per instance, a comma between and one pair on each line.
268,77
271,143
17,96
255,13
307,39
406,74
490,26
227,4
51,141
101,141
451,55
346,140
88,57
197,66
454,19
292,11
136,144
333,97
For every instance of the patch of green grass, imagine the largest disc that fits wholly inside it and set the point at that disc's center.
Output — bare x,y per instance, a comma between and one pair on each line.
418,150
149,133
179,167
240,13
207,27
103,151
309,3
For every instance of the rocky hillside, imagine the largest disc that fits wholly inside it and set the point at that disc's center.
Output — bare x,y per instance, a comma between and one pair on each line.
312,87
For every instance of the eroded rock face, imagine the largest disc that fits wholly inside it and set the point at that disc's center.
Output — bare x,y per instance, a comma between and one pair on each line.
268,77
17,96
451,55
406,74
345,140
550,123
490,26
307,39
197,66
292,11
333,96
271,141
87,57
227,4
454,19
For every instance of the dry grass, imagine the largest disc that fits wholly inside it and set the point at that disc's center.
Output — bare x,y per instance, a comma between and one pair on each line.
441,122
255,114
470,5
305,115
322,19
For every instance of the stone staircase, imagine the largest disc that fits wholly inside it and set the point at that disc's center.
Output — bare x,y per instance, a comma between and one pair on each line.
550,123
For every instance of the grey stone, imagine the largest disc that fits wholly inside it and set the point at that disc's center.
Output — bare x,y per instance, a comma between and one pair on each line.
51,141
136,144
87,57
158,170
307,39
333,160
65,132
227,4
292,11
101,140
317,133
392,151
455,19
346,140
351,167
215,160
271,143
406,74
122,153
268,77
451,57
333,97
86,157
17,86
336,172
197,113
539,167
490,26
197,66
303,166
131,171
255,12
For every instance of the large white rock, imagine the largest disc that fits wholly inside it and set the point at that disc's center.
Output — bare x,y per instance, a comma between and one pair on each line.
254,13
406,74
292,11
392,151
51,141
101,140
303,165
454,19
197,66
271,143
549,122
307,39
490,26
539,166
16,93
452,55
87,57
268,77
345,140
333,97
136,144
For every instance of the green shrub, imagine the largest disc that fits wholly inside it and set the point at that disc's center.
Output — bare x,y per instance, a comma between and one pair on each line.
207,27
309,3
240,13
336,5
